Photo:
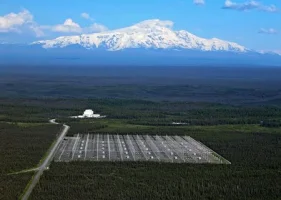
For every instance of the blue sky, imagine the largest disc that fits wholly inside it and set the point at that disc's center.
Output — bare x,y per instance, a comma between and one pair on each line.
254,24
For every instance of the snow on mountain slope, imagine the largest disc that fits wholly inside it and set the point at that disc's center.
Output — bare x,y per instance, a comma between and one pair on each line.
147,34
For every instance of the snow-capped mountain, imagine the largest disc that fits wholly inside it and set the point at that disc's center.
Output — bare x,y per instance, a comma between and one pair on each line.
149,34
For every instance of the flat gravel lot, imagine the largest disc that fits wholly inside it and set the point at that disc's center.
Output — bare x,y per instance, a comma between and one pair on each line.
102,147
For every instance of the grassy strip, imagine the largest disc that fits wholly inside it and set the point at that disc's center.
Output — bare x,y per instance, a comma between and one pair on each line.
24,171
24,124
121,126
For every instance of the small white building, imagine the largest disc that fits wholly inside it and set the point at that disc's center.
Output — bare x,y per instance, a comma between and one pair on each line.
179,123
88,114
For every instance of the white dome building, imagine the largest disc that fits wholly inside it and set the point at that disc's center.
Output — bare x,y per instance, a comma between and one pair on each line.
89,113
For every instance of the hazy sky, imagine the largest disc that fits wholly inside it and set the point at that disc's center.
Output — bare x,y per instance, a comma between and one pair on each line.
254,24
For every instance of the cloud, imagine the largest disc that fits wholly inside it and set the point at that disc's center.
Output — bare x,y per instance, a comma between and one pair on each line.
23,22
85,15
12,21
95,28
37,30
69,26
155,22
249,5
268,31
271,51
17,22
199,2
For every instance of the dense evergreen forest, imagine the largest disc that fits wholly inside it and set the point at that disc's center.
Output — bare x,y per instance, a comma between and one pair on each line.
22,146
141,112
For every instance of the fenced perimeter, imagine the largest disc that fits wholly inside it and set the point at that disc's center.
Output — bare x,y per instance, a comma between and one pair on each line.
105,147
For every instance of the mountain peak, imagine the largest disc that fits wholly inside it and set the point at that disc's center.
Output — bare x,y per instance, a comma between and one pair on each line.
154,33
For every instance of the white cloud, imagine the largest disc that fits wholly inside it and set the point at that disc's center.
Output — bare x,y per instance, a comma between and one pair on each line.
95,28
249,5
271,8
23,22
69,26
85,15
199,2
37,30
12,21
270,51
268,31
17,22
155,22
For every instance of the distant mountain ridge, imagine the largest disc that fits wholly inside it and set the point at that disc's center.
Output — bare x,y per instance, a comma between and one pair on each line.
149,34
149,43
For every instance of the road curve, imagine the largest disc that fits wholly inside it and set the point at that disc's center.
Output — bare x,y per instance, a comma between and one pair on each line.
53,121
46,162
